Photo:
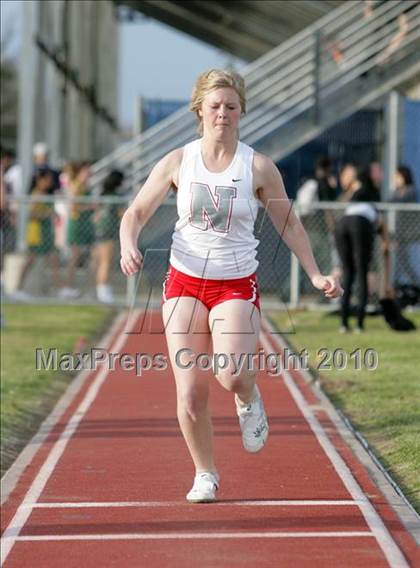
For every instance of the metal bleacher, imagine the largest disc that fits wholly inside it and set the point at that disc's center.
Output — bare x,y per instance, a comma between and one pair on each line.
341,63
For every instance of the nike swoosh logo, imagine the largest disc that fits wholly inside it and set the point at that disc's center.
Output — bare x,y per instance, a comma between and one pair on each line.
234,180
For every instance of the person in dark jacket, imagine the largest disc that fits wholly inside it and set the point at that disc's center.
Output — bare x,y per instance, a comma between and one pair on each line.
355,236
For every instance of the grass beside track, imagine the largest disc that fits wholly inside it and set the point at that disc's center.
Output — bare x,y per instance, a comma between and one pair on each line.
27,395
383,404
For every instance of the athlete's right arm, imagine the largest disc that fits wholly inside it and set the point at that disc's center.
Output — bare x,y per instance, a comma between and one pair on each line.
148,199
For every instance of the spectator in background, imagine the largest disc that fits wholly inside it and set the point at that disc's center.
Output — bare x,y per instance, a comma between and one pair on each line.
371,179
318,223
3,213
41,163
12,174
11,184
352,179
355,235
406,230
336,49
6,160
404,191
396,39
321,187
376,177
328,191
374,36
107,220
80,234
327,183
67,177
40,233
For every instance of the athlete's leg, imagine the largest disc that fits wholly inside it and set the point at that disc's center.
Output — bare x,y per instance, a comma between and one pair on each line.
235,327
186,328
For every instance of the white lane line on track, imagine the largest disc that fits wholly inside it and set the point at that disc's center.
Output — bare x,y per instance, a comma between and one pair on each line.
390,549
273,503
16,524
174,536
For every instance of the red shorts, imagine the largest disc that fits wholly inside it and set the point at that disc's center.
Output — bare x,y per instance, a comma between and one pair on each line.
210,292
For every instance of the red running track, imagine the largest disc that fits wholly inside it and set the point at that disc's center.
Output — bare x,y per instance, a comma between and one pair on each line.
107,487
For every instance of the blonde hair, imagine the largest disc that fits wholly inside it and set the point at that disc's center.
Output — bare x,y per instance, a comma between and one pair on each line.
212,80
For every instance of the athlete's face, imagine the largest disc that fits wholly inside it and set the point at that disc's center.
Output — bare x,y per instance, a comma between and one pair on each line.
221,111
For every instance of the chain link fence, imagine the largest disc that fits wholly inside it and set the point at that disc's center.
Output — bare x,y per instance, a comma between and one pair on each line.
57,250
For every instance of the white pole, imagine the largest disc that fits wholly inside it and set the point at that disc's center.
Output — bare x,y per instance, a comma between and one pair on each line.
28,80
391,157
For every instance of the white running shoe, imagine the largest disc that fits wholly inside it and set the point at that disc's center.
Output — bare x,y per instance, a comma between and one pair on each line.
253,422
204,489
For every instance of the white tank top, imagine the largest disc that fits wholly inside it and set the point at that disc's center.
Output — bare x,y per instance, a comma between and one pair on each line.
214,235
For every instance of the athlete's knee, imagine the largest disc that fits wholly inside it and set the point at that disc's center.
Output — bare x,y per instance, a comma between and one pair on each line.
192,402
236,381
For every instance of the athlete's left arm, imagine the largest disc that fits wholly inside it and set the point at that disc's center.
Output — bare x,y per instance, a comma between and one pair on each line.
270,190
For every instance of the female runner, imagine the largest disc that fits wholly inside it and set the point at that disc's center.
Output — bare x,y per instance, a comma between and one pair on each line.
210,294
